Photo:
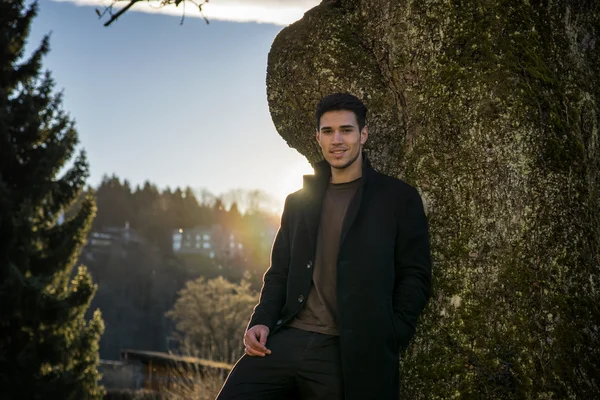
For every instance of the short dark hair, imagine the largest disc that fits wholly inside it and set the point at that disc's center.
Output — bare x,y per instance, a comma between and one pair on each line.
342,101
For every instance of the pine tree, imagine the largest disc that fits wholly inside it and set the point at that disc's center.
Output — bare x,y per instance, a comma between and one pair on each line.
115,203
48,350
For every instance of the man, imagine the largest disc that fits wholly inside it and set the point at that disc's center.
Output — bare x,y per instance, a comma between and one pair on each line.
350,274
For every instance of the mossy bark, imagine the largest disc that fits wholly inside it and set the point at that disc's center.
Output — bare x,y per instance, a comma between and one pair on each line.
491,110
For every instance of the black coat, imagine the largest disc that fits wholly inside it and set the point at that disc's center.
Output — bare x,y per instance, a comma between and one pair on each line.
383,276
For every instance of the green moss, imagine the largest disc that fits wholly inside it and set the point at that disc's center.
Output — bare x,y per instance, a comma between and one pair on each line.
491,111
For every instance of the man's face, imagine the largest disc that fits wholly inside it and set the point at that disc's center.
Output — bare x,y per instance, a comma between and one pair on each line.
340,139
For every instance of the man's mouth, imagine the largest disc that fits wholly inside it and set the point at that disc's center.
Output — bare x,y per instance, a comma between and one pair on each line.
338,153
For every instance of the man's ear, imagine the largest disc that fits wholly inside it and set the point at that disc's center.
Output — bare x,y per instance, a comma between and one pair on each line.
364,134
317,136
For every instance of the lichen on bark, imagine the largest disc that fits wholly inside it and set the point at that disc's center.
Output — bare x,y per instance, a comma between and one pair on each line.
491,110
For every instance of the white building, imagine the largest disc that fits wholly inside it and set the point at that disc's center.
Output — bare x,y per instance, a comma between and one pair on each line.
211,241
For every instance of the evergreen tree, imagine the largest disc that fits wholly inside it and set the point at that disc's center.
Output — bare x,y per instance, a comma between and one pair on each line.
144,201
234,217
192,212
115,203
47,348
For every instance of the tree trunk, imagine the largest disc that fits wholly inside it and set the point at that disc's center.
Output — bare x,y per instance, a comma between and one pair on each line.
491,110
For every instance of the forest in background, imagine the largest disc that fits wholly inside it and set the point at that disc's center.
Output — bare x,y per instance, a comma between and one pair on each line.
139,281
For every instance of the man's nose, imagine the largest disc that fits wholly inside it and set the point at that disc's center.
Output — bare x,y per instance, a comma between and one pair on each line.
337,136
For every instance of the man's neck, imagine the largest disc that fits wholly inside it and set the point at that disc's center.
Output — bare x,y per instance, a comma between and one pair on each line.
348,174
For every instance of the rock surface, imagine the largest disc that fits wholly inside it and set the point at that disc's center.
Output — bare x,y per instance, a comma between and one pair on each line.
491,109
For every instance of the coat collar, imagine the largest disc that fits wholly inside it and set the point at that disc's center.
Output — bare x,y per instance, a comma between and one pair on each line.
322,174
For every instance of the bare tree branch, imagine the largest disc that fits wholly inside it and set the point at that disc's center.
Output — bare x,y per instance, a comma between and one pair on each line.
113,16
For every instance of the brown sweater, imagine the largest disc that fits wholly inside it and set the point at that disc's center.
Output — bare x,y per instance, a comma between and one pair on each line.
319,313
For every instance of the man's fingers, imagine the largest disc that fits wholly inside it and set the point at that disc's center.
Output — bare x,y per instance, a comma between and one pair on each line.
263,342
252,341
253,352
258,347
262,338
255,340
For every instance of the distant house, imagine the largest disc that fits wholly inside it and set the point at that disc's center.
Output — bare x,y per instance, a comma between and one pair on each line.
101,241
213,241
110,234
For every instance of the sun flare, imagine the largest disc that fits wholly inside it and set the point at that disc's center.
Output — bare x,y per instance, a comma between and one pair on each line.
290,179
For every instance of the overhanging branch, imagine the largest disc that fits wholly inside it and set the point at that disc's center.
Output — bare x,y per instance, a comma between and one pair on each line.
113,16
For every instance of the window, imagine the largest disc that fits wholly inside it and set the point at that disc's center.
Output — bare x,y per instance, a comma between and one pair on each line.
206,236
206,245
176,243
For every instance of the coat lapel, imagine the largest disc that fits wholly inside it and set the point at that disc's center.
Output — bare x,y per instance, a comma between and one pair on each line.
315,186
354,205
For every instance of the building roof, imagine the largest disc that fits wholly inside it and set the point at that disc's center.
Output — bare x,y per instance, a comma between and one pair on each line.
171,358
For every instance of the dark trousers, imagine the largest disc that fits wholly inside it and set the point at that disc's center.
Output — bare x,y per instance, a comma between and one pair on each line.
302,366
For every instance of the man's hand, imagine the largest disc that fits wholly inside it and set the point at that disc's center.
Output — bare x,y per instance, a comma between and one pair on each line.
255,340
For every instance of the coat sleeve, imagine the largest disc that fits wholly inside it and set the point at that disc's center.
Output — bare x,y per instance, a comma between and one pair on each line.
412,284
273,291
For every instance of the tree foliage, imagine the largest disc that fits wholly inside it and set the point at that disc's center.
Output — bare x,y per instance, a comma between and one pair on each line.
48,350
212,315
156,213
137,272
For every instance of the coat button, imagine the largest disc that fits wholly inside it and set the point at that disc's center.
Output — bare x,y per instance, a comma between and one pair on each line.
309,264
300,299
279,321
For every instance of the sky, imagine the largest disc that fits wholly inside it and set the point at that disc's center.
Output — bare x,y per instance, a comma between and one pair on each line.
177,105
